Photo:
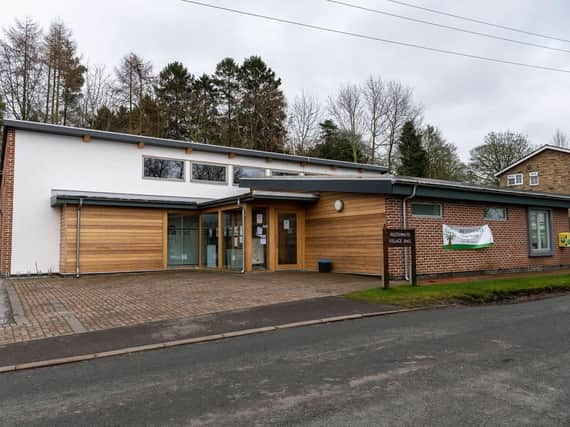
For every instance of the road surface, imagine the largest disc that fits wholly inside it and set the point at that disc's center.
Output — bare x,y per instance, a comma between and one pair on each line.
496,365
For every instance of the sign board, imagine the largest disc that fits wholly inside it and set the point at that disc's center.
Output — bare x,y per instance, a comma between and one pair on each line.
398,238
467,238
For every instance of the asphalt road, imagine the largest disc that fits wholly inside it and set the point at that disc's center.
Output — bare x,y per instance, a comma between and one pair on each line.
497,365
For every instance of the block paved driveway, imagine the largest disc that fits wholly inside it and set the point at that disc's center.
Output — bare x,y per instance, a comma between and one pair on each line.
54,306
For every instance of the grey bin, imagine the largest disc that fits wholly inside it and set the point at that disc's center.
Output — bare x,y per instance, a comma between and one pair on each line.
325,266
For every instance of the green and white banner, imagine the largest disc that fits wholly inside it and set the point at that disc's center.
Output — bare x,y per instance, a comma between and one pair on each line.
467,238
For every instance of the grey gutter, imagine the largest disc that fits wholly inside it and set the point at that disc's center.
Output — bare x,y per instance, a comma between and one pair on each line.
403,187
198,146
85,200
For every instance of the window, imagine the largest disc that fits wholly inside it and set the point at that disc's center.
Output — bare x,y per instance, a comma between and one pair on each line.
516,179
163,168
432,210
539,232
210,173
496,214
284,173
247,172
533,178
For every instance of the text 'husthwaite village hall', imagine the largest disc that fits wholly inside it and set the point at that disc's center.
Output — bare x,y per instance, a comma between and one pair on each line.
77,201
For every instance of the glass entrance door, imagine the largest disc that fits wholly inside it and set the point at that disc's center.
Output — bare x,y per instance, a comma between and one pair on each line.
209,226
287,235
183,239
260,231
233,240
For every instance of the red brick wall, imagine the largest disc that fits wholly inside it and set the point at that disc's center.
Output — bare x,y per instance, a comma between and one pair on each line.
511,239
6,199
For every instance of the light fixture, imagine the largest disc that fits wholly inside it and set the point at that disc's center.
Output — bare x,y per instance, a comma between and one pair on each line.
338,205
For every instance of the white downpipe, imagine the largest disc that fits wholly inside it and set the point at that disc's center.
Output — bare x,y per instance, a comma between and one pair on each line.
405,225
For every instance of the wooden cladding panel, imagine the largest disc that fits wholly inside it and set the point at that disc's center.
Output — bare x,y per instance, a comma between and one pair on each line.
352,239
113,239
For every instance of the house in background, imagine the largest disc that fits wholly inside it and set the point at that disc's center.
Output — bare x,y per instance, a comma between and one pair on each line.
77,201
546,169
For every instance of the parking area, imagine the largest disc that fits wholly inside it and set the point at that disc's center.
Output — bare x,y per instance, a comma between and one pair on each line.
54,306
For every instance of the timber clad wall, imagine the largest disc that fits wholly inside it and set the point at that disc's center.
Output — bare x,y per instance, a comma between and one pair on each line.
352,239
511,240
112,239
6,202
553,169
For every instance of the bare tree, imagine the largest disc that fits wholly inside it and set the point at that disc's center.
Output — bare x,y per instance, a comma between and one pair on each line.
97,93
348,112
560,139
134,82
303,123
400,109
21,69
376,106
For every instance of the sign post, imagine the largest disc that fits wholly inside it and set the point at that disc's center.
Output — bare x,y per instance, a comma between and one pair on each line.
398,238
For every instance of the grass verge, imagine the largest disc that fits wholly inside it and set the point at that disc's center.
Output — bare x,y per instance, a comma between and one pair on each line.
476,292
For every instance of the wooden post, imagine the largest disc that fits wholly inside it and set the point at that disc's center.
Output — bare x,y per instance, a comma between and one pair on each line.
386,275
414,277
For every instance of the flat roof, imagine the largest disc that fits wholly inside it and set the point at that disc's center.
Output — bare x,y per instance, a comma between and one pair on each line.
198,146
407,186
93,198
534,153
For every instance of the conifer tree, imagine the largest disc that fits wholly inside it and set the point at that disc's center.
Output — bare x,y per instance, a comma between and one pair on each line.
413,158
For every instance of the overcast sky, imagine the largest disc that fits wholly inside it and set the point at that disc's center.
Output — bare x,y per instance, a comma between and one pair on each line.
465,98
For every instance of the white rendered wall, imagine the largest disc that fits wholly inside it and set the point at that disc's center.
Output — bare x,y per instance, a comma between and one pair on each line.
45,162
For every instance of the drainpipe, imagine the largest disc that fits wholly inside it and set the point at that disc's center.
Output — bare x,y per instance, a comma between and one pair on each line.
405,225
78,238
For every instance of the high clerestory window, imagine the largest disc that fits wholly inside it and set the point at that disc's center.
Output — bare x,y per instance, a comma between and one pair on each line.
209,173
158,168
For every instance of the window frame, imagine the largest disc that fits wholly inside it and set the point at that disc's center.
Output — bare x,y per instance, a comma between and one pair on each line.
244,166
486,209
440,216
550,234
286,172
158,178
515,175
533,175
207,181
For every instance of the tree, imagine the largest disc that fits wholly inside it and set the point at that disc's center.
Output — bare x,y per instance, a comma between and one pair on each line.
347,109
303,123
560,139
21,69
65,75
413,157
228,87
442,159
262,113
400,110
97,94
335,144
498,151
174,92
134,82
203,110
376,110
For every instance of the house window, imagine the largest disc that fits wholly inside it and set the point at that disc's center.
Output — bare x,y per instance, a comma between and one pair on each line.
210,173
427,210
496,214
247,172
284,173
516,179
163,168
533,178
540,232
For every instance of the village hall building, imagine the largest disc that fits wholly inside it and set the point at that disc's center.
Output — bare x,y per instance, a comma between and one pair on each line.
78,201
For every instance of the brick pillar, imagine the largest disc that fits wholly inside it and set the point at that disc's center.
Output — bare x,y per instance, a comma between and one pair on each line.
6,202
